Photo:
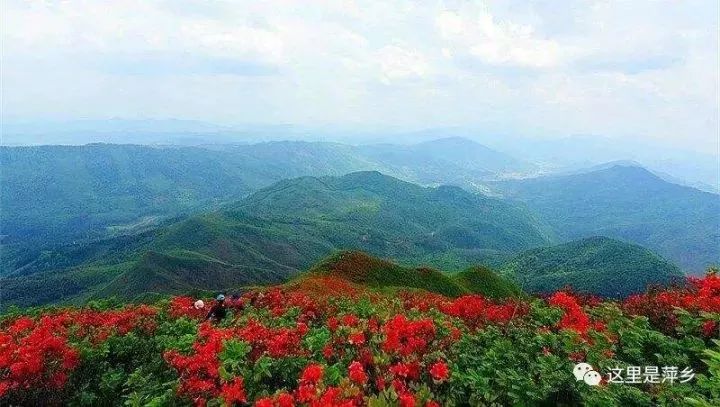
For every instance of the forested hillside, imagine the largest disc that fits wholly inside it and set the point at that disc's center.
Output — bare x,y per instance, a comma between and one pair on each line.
279,231
631,204
64,193
598,265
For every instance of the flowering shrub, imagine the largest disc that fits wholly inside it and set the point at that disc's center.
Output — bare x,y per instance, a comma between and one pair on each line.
665,308
293,346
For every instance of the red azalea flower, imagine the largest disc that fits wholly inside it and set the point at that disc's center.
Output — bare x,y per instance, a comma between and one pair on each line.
406,400
264,402
285,400
710,328
399,370
234,391
356,373
380,383
357,338
306,393
312,374
439,371
350,320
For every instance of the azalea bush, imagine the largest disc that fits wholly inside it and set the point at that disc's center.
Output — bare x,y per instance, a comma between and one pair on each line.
303,346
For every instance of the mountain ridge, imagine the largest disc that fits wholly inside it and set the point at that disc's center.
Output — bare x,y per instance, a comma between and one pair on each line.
595,265
287,227
627,203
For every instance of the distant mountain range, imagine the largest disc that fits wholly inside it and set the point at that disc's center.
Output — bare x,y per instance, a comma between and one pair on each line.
279,231
628,203
103,219
62,193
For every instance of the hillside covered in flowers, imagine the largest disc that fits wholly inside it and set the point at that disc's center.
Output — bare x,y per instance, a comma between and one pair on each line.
327,341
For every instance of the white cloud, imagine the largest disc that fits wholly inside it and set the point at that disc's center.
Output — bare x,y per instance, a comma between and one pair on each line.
400,63
614,68
497,43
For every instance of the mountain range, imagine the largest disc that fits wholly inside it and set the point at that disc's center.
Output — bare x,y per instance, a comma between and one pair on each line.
283,229
279,231
628,203
102,219
55,194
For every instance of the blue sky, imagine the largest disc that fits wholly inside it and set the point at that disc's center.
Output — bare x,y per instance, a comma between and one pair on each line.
628,69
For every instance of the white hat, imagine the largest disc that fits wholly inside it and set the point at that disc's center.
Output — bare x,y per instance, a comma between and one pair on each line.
199,304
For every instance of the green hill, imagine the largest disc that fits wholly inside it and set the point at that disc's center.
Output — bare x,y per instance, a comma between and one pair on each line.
182,273
598,265
631,204
57,194
283,229
365,270
361,268
482,280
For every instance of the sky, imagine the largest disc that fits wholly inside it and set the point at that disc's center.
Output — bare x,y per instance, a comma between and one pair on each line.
632,70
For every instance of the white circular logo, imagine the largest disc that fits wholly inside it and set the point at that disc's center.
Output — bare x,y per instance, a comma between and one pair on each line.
592,378
580,370
585,372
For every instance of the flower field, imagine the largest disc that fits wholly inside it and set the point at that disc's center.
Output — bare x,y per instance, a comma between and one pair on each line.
349,346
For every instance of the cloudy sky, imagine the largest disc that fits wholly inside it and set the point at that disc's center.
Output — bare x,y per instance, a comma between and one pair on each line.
626,69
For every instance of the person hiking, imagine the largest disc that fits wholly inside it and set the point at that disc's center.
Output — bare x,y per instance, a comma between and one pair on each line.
218,311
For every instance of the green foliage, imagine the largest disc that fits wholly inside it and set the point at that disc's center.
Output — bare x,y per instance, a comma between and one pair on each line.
711,381
601,266
526,359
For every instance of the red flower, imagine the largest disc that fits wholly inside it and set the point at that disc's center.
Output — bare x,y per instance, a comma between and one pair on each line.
264,402
405,337
328,351
306,393
574,318
357,338
439,371
285,400
710,328
400,370
234,391
350,320
356,373
312,374
407,400
380,383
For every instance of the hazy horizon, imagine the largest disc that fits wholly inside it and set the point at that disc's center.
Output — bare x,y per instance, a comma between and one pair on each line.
636,73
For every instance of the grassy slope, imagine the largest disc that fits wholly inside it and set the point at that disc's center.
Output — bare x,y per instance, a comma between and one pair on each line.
360,268
482,280
182,273
364,270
